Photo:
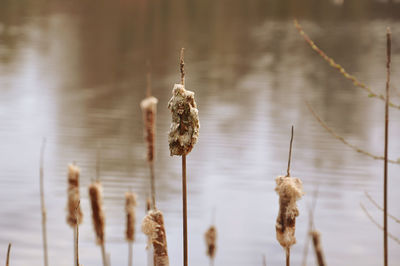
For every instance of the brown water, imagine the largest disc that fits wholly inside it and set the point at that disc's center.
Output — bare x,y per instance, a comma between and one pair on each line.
75,72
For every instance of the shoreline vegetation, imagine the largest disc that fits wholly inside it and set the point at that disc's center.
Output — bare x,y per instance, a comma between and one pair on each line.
182,137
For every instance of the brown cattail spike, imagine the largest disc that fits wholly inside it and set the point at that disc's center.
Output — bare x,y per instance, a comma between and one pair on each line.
316,238
130,204
95,194
289,189
74,215
184,130
149,109
153,227
211,241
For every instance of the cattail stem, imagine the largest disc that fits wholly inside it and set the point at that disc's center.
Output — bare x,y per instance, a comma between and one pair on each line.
103,254
316,239
385,170
287,256
290,153
184,205
8,254
130,253
42,204
153,186
76,236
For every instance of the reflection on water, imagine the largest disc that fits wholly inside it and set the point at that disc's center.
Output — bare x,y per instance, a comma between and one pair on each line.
75,73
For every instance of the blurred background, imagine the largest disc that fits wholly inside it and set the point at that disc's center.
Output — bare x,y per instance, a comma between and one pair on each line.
74,72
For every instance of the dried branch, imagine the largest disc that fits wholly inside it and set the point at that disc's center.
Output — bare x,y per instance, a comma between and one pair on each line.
338,67
337,136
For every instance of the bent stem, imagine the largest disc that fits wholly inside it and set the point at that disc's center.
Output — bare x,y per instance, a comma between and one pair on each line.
8,254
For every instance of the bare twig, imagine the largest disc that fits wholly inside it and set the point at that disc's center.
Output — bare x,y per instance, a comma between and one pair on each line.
397,220
337,136
338,67
385,165
8,255
397,240
42,203
290,153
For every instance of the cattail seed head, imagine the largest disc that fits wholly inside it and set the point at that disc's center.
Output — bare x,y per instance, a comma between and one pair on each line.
96,201
211,241
153,227
184,130
289,189
130,204
316,239
74,214
149,109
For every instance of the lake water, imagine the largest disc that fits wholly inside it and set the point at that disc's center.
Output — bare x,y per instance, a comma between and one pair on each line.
75,72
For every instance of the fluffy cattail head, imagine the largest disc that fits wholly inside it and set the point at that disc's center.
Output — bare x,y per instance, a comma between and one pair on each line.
96,201
184,130
211,241
149,109
130,204
289,189
74,212
153,227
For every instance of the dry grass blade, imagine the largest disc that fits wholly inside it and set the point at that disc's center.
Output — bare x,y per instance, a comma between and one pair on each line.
340,138
42,204
316,239
8,255
397,220
397,240
338,67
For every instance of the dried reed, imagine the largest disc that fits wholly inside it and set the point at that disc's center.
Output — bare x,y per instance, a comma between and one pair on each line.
77,237
316,239
385,165
42,204
8,254
153,227
211,242
290,190
394,218
338,67
98,217
183,135
130,204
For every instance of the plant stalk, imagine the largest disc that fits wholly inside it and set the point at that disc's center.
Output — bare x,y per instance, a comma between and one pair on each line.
184,203
42,204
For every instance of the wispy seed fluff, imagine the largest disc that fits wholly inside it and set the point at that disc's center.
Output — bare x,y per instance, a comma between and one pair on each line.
96,201
149,109
289,189
153,227
74,212
130,204
211,239
184,130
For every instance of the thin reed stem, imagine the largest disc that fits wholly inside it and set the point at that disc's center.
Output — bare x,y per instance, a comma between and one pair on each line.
76,236
103,254
345,142
394,218
184,205
8,254
42,204
287,256
264,260
290,153
385,167
130,253
153,186
182,66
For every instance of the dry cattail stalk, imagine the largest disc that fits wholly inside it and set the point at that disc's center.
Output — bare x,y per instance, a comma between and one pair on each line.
74,215
95,193
289,189
8,254
211,241
316,239
184,130
42,204
153,227
130,204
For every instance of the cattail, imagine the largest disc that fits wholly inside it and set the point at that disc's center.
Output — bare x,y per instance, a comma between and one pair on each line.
289,189
184,130
316,238
74,215
95,194
149,109
211,239
153,227
130,204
